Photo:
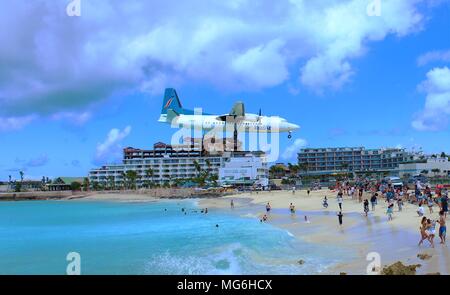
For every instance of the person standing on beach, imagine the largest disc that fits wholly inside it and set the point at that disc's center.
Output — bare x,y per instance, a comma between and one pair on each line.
340,200
293,190
361,190
373,201
431,231
366,207
423,230
442,227
340,215
444,204
400,202
430,204
390,211
420,210
232,204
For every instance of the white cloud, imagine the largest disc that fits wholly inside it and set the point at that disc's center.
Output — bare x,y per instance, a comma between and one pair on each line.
73,117
434,56
293,149
110,149
436,113
15,123
53,63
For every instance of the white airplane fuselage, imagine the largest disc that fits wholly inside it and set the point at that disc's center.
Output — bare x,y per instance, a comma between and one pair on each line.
258,124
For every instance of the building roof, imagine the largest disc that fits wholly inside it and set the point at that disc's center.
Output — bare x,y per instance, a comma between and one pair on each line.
67,180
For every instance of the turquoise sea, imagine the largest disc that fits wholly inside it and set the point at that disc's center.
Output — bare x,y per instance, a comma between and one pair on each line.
149,238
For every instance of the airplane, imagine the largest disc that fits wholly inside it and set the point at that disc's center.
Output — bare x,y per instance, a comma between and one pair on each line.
173,112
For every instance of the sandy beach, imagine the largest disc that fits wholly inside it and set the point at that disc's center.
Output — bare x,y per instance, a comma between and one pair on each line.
394,240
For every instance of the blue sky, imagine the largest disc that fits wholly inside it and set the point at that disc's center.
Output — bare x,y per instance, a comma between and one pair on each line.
75,90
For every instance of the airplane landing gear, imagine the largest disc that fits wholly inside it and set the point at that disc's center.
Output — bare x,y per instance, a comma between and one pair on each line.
289,135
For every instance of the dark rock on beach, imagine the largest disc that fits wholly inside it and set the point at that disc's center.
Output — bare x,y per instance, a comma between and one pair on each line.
424,256
399,268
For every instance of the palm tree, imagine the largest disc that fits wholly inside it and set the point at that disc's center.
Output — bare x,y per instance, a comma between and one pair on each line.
21,176
149,173
275,171
9,182
294,170
303,167
197,166
131,177
111,182
86,184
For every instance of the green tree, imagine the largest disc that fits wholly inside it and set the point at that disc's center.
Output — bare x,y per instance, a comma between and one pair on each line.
75,186
95,185
18,186
86,184
197,167
131,179
213,178
276,171
149,173
111,182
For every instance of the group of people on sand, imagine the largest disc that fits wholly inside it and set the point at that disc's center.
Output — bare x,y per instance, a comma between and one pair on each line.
428,229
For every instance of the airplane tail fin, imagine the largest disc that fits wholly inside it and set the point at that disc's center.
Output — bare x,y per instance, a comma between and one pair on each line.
171,105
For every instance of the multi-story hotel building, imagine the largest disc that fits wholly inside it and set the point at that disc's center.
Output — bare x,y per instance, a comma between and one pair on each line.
171,162
353,159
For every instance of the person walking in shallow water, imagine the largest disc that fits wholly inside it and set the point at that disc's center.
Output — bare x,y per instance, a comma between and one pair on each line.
390,211
232,204
292,208
340,215
268,207
366,207
373,201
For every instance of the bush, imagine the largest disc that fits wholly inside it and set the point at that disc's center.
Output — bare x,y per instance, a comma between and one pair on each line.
76,186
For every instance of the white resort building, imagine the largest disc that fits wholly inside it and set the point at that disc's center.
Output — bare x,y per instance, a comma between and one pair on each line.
171,162
430,167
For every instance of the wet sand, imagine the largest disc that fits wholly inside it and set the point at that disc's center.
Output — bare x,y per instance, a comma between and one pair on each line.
394,240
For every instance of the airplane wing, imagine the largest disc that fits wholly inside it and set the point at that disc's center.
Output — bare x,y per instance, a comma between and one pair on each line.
238,109
237,113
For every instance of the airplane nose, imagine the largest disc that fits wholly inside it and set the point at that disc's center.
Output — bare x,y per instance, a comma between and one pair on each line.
293,126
